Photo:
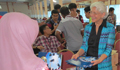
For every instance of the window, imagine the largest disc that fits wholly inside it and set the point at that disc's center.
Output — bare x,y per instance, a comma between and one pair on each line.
83,15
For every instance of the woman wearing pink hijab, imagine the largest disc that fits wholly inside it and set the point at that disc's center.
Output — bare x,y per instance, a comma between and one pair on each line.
17,34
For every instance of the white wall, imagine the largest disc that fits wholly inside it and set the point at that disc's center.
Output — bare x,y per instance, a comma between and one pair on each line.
18,7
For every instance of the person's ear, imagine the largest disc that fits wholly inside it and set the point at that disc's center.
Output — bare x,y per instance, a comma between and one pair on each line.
103,14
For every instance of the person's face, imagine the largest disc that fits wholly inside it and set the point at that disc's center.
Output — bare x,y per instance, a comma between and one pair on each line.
87,14
112,12
78,13
47,31
73,10
55,17
96,15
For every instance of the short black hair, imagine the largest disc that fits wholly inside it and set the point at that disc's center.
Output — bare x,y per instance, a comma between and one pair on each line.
64,11
54,12
72,5
87,9
111,9
57,6
77,11
41,28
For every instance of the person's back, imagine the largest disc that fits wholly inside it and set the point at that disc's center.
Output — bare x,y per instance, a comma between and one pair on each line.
72,32
16,37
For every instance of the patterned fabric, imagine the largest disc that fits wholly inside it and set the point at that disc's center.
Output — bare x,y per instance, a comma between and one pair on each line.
110,19
106,43
49,43
51,24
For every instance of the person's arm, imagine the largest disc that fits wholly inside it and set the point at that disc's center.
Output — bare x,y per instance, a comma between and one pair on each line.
55,27
59,30
108,49
38,44
79,53
57,33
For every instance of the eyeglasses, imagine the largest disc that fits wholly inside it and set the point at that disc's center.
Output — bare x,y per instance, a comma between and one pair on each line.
94,13
55,15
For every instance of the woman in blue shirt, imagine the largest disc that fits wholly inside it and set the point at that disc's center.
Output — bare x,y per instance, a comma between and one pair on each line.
99,37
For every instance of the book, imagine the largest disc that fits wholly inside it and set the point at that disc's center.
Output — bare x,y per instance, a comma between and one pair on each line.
53,60
83,61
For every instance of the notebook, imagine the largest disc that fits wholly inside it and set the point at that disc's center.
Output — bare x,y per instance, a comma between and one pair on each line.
82,61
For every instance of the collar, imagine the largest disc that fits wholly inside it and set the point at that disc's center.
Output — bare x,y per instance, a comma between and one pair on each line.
103,23
71,16
46,37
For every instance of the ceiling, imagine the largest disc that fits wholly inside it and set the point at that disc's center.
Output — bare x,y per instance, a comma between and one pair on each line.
15,0
31,2
57,1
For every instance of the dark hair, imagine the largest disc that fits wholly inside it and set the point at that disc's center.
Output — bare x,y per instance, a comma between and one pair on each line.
111,9
72,5
64,11
77,11
41,28
54,12
87,9
57,6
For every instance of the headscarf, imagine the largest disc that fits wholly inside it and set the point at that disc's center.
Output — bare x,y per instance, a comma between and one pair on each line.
17,34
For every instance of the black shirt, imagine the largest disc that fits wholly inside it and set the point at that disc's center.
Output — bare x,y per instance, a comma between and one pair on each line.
93,42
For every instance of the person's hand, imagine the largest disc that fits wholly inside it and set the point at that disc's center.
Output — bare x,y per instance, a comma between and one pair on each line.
75,56
96,62
40,47
63,44
55,27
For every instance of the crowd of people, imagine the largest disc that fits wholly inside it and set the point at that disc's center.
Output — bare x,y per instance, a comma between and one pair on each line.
65,29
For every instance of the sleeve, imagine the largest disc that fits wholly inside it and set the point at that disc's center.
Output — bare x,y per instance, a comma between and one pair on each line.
37,42
60,27
110,42
57,42
85,41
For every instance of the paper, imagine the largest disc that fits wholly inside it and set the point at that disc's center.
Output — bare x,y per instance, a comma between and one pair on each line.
82,61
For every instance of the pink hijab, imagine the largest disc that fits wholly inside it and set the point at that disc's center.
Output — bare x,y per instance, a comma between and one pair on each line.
17,34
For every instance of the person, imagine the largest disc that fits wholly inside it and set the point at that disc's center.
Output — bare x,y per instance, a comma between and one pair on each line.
87,13
73,7
46,42
71,27
99,37
80,16
16,37
53,23
56,7
111,17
